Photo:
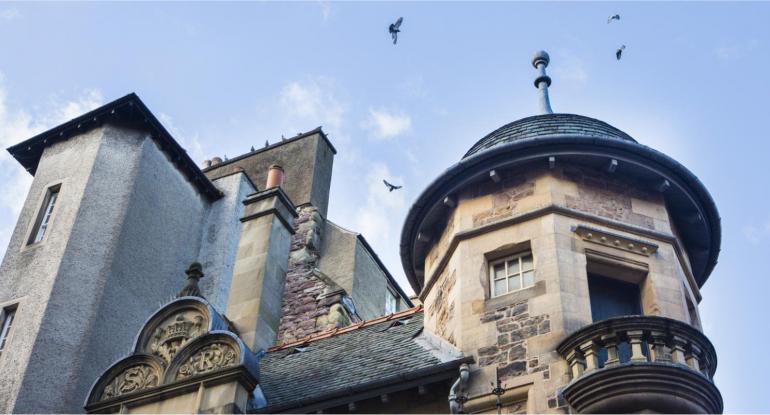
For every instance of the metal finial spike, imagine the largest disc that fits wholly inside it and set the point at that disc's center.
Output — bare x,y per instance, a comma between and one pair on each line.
543,81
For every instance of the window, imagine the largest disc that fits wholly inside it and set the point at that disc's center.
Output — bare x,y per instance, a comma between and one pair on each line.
391,303
44,217
612,297
511,274
7,317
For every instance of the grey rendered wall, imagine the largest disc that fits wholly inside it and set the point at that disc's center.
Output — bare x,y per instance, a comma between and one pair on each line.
219,243
137,228
346,260
370,284
27,274
338,247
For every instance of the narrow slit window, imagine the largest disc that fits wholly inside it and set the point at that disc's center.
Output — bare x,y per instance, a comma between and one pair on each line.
8,315
44,217
512,274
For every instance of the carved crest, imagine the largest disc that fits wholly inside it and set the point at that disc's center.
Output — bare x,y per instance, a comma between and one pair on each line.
212,357
170,338
133,379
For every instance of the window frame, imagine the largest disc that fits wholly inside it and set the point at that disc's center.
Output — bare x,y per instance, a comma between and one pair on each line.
520,273
45,215
6,325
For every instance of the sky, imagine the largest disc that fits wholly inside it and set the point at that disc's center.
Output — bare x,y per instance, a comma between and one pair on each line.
225,76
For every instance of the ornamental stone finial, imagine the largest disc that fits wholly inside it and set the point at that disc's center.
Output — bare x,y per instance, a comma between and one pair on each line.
543,81
194,273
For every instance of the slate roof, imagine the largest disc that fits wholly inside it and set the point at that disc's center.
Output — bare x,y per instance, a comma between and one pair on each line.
548,125
338,365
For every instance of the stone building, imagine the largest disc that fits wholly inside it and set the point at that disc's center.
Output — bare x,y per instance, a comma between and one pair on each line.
557,268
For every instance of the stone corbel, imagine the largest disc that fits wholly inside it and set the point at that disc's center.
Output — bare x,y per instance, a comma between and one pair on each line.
624,243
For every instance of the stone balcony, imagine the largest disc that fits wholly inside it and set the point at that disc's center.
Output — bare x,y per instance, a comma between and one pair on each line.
640,364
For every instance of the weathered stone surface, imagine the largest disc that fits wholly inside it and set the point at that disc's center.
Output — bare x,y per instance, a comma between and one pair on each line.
442,308
513,369
505,200
514,326
517,352
489,350
311,303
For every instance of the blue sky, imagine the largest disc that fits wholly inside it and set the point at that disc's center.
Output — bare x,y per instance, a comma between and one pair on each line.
225,76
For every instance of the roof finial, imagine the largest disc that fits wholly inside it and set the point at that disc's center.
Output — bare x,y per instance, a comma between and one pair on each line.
543,81
194,273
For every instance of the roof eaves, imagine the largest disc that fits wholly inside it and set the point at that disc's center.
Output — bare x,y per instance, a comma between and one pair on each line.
350,392
127,109
342,330
318,130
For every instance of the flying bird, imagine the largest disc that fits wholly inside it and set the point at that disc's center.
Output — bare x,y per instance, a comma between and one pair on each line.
394,29
391,187
613,17
619,52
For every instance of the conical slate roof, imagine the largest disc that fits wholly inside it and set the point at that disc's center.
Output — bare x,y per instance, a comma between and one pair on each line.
548,125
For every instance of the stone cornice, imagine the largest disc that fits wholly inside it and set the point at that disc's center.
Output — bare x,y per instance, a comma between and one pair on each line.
284,209
624,243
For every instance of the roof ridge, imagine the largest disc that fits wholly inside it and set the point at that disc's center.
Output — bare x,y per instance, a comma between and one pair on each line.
341,330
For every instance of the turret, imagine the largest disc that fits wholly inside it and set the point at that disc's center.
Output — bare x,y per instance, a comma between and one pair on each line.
565,256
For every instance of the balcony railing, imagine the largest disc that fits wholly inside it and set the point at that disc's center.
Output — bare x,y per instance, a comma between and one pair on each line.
646,355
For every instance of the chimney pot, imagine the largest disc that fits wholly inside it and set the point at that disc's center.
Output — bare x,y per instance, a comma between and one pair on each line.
216,160
274,177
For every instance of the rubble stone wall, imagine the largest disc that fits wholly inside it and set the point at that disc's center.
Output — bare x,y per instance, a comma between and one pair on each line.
311,303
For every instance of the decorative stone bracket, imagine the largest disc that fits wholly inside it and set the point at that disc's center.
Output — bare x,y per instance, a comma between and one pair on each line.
614,240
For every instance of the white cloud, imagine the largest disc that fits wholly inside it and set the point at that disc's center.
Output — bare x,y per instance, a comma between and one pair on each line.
372,219
311,102
10,14
757,233
326,9
386,124
570,68
17,125
727,51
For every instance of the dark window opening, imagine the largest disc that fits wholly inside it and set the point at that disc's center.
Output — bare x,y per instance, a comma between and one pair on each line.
8,314
613,298
43,220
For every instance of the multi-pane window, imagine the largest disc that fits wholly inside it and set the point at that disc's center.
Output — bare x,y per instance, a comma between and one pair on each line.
512,273
44,217
391,303
7,316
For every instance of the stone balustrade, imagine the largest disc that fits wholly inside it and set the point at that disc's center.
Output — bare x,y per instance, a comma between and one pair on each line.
629,339
639,356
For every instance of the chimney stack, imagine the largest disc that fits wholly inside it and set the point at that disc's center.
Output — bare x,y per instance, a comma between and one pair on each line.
256,291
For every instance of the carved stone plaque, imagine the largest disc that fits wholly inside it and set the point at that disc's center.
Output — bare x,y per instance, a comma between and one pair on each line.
174,333
212,357
133,379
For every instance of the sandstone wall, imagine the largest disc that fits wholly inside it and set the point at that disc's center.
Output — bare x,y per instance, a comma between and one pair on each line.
539,210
